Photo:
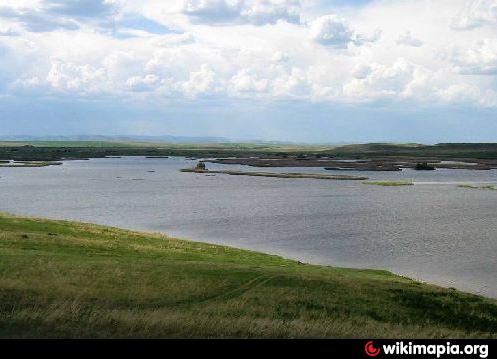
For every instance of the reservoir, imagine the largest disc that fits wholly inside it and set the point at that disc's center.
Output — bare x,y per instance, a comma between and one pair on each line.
433,231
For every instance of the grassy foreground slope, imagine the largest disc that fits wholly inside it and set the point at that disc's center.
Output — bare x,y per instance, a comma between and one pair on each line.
65,279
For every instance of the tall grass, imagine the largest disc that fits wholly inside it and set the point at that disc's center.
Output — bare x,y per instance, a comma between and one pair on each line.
65,279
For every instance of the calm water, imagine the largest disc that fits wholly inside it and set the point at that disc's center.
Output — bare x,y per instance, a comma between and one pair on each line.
432,231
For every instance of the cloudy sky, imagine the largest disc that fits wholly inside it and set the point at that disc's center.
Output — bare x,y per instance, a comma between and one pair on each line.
290,70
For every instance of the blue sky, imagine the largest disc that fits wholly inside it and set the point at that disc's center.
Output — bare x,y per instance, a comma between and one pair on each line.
285,70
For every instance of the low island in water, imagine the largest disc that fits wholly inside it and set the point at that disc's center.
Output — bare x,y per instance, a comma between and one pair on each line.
274,175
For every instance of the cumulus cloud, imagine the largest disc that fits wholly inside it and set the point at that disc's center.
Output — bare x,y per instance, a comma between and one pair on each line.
257,12
143,83
331,30
481,59
378,80
200,82
6,30
247,83
362,71
334,31
213,10
160,51
50,15
74,77
37,20
460,93
408,40
80,8
476,13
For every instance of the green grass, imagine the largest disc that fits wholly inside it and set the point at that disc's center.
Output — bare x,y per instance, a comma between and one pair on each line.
389,183
58,150
66,279
488,187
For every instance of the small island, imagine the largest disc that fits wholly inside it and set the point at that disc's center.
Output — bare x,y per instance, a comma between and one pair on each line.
389,183
29,163
201,168
424,166
487,187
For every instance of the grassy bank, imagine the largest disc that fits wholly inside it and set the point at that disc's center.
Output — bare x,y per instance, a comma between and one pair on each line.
66,279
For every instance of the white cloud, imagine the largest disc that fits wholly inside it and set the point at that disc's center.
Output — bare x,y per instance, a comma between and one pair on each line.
476,13
200,82
27,82
361,71
195,57
460,93
51,15
143,83
331,30
257,12
377,80
245,82
261,12
334,31
213,10
8,31
408,40
481,59
73,77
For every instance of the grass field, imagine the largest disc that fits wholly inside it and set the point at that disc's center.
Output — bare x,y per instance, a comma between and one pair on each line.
58,150
66,279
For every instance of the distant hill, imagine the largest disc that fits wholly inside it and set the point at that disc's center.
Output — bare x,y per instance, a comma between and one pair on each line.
118,138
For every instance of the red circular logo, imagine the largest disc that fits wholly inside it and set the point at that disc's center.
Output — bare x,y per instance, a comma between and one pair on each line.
371,350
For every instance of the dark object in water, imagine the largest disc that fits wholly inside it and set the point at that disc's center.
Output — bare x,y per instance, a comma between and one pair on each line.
423,166
200,166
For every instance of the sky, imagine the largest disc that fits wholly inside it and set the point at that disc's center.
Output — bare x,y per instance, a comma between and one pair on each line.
275,70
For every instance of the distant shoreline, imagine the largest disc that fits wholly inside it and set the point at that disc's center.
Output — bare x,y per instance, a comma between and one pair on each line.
364,157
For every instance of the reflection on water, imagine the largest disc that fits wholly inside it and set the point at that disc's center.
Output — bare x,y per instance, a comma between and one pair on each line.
435,232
